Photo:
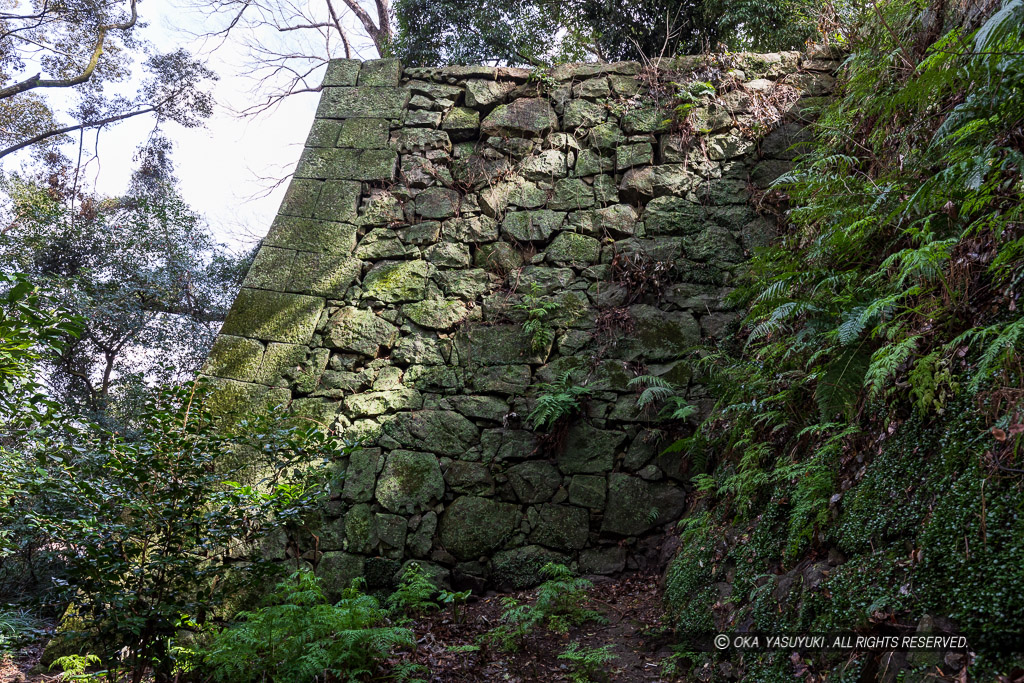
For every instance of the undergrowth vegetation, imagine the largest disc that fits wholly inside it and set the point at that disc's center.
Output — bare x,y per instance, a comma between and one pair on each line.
877,408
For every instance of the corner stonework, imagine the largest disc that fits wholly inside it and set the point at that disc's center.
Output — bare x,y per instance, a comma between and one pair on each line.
425,204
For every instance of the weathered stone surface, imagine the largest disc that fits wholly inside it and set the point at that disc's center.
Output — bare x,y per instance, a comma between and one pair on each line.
420,350
472,229
658,336
496,345
342,72
571,194
572,249
519,568
527,226
410,482
547,165
380,73
562,527
461,123
336,571
472,527
363,134
713,243
587,490
361,530
471,478
483,94
479,407
361,475
524,118
589,450
362,102
383,243
437,202
440,431
501,379
645,120
584,114
421,140
273,316
397,282
448,255
347,164
468,284
234,358
635,506
236,399
372,403
590,162
603,560
500,445
359,330
436,314
422,538
292,365
304,234
534,482
674,216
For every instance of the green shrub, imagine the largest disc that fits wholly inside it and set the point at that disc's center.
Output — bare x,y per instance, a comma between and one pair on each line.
556,401
299,637
587,662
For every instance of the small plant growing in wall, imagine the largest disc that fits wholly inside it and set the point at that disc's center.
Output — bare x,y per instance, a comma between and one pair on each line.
557,400
538,311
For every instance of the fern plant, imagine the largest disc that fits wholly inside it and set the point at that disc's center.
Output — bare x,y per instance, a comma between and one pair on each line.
300,637
415,593
538,311
558,605
556,401
587,662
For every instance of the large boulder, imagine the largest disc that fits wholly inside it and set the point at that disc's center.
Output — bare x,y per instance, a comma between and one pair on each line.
472,527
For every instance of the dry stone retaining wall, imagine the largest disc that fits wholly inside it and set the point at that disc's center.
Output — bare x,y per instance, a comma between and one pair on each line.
426,205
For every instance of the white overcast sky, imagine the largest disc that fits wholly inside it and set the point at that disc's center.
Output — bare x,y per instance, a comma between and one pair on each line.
220,166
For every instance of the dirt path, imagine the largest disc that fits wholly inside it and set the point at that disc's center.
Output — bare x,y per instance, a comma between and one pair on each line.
631,604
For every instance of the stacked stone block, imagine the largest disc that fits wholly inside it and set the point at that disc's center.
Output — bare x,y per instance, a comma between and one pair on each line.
425,205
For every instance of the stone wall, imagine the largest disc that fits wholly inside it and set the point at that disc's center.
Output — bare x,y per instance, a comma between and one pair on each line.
426,205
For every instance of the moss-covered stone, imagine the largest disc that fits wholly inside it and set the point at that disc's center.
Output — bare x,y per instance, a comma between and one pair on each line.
361,475
436,314
501,379
421,539
534,482
472,229
603,561
434,378
359,330
658,336
234,358
589,450
713,244
347,164
273,316
397,282
383,243
587,490
421,350
292,365
482,94
527,117
362,102
391,530
338,201
498,257
583,114
233,399
519,568
645,120
300,198
636,506
303,234
448,255
627,156
532,226
571,194
548,165
437,202
342,72
440,431
372,403
501,445
363,134
561,527
479,407
380,73
361,530
472,527
471,478
496,345
410,482
461,123
336,571
572,249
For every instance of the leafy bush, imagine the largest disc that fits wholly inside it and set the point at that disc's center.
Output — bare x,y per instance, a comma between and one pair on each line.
415,592
299,637
147,529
